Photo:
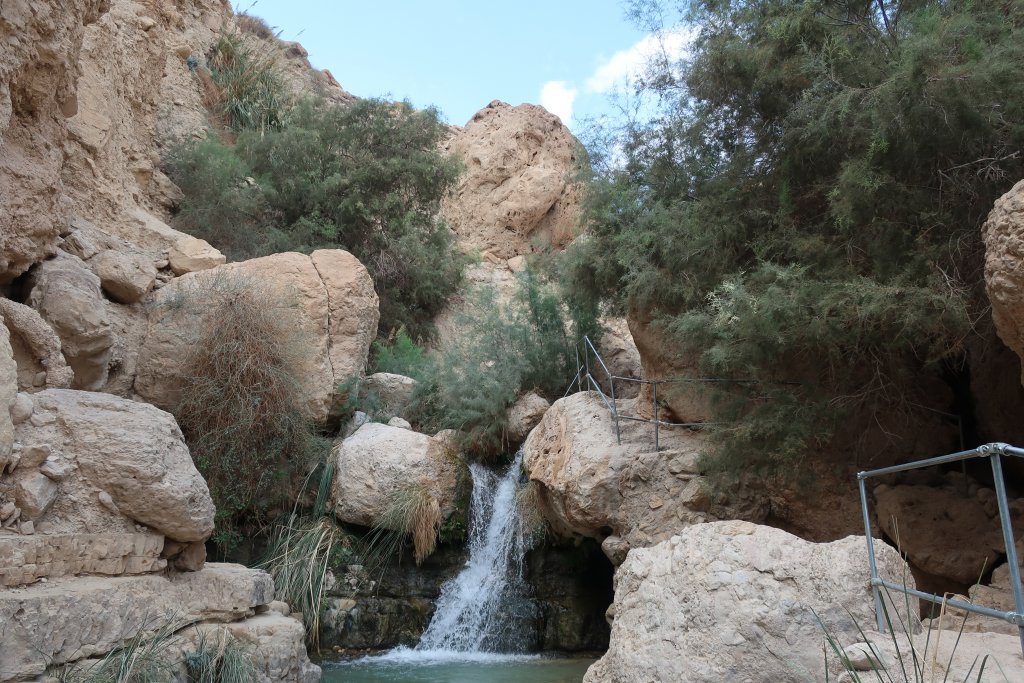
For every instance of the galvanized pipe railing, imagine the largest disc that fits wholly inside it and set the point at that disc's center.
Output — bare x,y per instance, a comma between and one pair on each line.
994,452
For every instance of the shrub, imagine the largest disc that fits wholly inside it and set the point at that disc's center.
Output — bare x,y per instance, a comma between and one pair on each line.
257,26
366,177
498,352
242,409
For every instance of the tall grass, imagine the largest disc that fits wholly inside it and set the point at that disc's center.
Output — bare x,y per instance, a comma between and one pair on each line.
147,657
245,84
219,659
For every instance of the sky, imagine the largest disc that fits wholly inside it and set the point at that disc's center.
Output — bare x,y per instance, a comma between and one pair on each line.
459,55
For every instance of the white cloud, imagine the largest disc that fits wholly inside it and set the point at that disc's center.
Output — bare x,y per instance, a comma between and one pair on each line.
557,97
626,65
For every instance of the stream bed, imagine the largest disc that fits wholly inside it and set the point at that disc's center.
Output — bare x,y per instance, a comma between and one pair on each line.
483,668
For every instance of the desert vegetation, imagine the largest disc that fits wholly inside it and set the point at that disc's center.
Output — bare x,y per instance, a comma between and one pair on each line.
802,201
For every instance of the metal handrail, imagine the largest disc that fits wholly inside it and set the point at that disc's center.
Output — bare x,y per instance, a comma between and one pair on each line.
994,452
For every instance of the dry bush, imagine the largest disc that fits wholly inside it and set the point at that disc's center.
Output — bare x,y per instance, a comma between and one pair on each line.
257,26
242,408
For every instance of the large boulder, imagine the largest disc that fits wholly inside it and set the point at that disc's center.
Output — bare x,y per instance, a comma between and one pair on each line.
734,601
37,349
277,644
519,186
378,464
1003,234
392,391
68,296
113,463
126,276
592,486
327,298
525,414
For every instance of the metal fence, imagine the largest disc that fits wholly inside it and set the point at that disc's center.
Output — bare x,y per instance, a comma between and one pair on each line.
994,452
588,357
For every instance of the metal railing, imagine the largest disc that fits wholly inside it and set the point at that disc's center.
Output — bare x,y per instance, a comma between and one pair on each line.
585,381
994,452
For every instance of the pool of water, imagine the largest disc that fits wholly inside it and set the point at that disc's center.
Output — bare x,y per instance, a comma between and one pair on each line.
407,666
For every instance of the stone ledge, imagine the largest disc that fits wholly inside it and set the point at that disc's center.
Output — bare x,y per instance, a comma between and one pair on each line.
26,559
69,619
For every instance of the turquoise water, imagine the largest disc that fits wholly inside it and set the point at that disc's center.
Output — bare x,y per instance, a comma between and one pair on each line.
419,667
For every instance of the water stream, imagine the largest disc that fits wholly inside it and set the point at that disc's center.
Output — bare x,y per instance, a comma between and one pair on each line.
479,629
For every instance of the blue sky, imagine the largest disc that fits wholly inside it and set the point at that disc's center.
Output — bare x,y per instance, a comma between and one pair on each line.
458,55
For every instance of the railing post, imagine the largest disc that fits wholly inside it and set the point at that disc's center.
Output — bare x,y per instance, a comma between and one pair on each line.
657,420
1008,537
875,592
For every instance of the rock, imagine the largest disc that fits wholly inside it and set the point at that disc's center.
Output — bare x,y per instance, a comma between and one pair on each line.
928,521
185,557
21,408
327,298
191,254
394,392
56,469
1003,234
591,486
71,619
130,451
125,276
519,185
277,643
37,348
517,264
619,353
867,657
399,422
733,601
67,296
280,607
380,461
524,415
8,394
35,494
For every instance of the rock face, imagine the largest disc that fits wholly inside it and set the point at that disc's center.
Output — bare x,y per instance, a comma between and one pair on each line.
68,297
328,297
733,601
525,414
117,462
379,462
627,495
619,352
1003,234
277,644
39,71
8,391
519,184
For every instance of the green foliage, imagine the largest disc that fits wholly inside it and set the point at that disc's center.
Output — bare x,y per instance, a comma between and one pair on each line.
245,84
498,352
805,202
367,177
242,409
401,356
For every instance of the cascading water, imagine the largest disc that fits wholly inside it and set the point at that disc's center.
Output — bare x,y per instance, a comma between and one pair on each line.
477,609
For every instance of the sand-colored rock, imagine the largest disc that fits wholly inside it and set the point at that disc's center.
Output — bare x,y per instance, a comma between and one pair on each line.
37,349
121,454
1003,234
125,276
26,559
8,393
734,601
68,297
392,391
525,414
591,486
66,620
519,186
191,254
327,298
619,353
277,644
379,462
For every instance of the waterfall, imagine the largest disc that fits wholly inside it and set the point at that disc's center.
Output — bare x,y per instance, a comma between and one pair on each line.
481,609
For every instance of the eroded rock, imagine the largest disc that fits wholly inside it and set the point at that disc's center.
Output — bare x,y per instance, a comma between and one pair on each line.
37,348
1003,234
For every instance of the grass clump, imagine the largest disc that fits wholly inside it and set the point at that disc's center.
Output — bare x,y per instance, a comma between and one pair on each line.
245,84
219,659
242,408
299,557
146,657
